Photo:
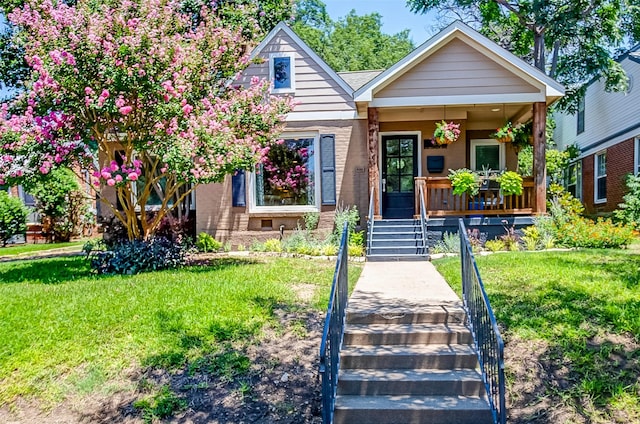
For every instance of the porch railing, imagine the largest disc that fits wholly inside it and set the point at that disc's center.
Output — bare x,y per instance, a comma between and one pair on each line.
333,332
439,199
484,328
423,217
370,222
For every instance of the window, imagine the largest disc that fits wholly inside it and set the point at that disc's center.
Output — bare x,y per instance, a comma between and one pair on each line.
487,154
574,179
282,72
287,177
580,116
600,175
636,156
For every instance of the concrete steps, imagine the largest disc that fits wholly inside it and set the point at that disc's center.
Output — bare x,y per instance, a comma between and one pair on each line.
407,364
397,240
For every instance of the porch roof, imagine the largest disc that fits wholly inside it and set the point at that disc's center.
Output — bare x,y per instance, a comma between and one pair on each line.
515,81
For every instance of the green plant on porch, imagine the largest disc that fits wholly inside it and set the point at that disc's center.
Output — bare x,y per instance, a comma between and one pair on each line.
510,183
446,132
464,181
504,134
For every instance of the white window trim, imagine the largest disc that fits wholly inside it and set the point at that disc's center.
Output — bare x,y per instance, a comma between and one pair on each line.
253,208
578,170
596,176
488,142
292,59
636,155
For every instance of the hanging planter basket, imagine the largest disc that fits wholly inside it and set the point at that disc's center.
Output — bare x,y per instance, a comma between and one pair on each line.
446,133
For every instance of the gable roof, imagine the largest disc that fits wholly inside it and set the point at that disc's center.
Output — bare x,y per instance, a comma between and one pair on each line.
487,47
357,79
282,27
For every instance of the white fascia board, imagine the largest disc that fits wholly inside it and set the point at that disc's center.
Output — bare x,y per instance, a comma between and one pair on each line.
457,100
624,137
322,116
312,55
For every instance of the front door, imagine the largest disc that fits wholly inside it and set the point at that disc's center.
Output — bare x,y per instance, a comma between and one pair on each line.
399,167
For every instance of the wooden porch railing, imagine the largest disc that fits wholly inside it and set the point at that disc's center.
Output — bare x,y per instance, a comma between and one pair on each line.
440,200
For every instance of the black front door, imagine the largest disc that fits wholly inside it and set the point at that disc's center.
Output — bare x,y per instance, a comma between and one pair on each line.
399,167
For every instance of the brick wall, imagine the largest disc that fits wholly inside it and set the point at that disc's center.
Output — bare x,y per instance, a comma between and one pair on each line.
217,216
619,164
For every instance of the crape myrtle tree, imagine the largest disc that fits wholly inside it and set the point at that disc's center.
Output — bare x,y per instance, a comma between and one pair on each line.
141,93
572,41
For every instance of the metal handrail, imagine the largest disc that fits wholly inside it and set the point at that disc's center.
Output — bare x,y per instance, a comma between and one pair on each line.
484,329
423,218
333,332
370,222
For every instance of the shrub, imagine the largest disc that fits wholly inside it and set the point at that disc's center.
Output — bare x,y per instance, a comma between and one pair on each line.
450,243
510,183
531,237
311,220
344,214
132,257
603,233
464,181
273,245
629,212
206,243
329,250
494,245
13,217
511,238
355,250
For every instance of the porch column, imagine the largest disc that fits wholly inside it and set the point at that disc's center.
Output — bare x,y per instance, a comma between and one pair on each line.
372,146
539,161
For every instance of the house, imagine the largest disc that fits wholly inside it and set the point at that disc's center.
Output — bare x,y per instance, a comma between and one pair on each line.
606,130
362,137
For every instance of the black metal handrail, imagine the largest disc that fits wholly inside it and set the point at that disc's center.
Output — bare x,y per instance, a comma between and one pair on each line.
484,328
370,222
423,219
334,329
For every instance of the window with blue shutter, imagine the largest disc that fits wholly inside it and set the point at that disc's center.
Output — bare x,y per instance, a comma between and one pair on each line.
238,188
328,167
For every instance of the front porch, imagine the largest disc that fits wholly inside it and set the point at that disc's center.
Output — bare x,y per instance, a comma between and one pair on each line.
440,201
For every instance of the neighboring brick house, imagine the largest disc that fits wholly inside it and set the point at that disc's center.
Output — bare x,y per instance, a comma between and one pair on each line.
606,130
355,133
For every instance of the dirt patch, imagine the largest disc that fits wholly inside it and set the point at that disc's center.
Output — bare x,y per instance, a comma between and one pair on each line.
281,386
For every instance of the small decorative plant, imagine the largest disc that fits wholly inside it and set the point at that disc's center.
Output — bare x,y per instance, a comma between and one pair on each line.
504,134
464,181
510,183
446,132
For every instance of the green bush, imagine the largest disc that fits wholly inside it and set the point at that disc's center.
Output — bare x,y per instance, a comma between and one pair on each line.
206,243
510,183
450,243
629,212
133,257
531,237
464,181
344,214
273,245
601,234
495,245
13,217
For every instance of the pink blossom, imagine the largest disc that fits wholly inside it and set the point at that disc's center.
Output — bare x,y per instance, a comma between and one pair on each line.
118,178
111,182
125,110
133,176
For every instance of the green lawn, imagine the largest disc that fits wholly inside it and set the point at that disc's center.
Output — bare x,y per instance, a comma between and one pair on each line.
18,249
580,312
66,331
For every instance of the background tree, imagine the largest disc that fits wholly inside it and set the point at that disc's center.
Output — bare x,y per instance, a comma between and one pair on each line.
572,41
61,202
141,93
352,43
13,217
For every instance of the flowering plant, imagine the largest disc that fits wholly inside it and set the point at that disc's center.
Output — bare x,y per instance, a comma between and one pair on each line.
504,134
446,132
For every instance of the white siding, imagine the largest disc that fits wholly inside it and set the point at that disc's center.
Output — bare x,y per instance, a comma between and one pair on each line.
456,69
315,91
606,114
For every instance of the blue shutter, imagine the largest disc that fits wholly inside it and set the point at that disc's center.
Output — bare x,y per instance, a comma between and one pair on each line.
238,188
328,167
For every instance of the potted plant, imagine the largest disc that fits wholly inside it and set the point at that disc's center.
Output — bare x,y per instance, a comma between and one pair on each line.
522,136
504,134
510,183
464,181
446,132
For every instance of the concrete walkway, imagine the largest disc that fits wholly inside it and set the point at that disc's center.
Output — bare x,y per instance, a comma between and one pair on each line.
397,285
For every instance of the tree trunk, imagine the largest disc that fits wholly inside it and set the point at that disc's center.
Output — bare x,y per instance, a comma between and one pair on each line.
538,48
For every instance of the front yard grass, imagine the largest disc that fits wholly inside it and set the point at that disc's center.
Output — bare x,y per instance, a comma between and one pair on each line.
18,249
65,331
571,323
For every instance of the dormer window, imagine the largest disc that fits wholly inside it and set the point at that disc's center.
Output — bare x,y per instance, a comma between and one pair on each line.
282,72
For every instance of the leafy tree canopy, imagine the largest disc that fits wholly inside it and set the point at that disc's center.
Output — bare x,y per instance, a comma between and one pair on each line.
352,43
572,41
142,93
